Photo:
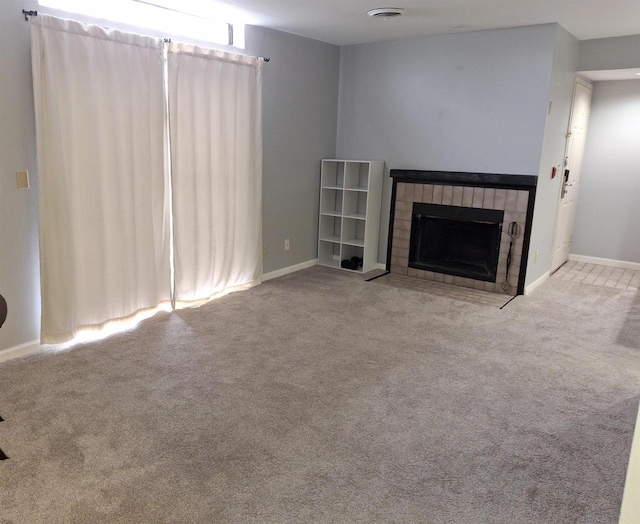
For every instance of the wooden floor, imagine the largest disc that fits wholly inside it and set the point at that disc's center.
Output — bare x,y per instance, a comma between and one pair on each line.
597,275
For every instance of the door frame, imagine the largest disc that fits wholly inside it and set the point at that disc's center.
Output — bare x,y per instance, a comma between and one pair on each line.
584,83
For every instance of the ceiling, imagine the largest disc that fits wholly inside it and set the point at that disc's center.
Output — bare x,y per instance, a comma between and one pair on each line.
345,22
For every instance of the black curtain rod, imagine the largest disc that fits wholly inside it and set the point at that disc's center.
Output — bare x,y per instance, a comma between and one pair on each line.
27,14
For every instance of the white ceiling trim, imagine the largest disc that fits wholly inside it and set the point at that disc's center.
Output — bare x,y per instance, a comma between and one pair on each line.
612,74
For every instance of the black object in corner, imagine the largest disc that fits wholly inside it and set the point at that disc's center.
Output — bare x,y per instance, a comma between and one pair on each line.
3,455
3,310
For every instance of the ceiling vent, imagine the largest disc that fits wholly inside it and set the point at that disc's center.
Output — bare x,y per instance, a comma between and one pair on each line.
386,12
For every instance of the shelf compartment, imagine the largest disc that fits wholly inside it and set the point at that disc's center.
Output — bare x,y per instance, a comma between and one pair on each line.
330,228
357,176
352,251
355,204
332,174
329,238
354,242
353,232
331,202
329,254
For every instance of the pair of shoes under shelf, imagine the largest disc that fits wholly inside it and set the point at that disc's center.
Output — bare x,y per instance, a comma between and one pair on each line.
353,264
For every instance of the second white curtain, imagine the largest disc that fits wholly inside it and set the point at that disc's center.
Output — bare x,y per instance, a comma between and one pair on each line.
216,158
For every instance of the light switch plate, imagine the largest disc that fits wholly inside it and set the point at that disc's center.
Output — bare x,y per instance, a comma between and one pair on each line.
22,179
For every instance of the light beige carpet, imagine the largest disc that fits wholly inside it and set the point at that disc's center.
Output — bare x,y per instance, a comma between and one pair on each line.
319,397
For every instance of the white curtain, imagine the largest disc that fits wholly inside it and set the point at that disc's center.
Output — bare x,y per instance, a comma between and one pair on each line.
104,215
216,158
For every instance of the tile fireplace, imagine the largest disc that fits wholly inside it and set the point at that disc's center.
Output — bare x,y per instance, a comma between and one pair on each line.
465,229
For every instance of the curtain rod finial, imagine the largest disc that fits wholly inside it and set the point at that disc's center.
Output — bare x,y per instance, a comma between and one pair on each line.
27,14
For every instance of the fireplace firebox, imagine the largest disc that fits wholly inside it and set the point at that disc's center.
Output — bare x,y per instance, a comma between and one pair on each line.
457,241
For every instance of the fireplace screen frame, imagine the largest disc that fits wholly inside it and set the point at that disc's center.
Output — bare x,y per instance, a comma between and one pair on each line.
456,217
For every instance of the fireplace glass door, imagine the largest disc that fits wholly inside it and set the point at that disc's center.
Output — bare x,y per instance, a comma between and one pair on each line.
456,241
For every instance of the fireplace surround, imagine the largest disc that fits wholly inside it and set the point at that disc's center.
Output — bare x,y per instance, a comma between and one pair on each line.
454,228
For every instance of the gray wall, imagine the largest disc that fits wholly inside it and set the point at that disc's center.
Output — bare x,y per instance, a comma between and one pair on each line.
608,211
300,97
300,106
555,132
609,53
464,102
19,263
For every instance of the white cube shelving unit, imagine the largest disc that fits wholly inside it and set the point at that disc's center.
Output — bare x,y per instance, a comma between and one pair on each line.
350,199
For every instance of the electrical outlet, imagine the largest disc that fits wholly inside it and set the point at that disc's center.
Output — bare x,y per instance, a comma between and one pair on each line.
265,250
536,257
286,245
22,179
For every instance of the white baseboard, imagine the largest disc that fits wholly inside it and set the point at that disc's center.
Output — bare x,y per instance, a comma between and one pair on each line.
535,285
20,351
290,269
382,266
605,262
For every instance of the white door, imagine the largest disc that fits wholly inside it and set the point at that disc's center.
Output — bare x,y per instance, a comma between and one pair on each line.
574,152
